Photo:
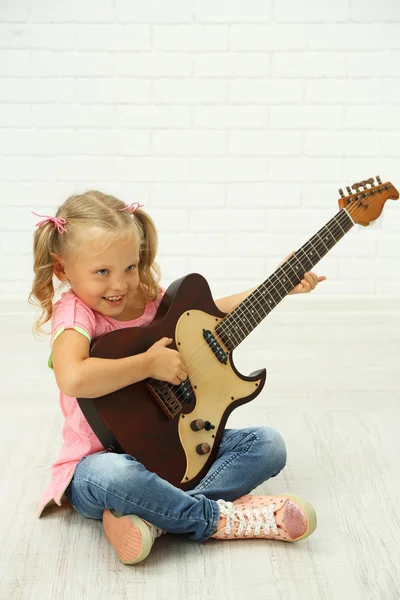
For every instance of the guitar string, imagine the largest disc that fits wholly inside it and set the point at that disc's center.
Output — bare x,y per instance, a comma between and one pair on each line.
354,210
348,211
207,347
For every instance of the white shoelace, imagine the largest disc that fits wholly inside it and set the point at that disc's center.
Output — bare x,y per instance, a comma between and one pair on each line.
155,532
251,519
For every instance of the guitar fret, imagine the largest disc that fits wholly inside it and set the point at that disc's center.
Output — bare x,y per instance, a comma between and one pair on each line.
237,324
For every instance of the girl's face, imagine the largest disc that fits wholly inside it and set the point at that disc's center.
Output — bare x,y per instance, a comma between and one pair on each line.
101,271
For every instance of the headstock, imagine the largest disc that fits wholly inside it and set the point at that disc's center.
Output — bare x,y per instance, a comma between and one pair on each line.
366,203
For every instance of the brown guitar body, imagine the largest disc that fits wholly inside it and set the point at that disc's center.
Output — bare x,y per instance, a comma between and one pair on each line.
132,421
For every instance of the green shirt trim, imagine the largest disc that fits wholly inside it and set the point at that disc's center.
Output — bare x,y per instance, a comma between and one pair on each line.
78,329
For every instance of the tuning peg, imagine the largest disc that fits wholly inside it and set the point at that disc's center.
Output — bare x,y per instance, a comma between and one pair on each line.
348,189
378,179
341,192
355,186
370,180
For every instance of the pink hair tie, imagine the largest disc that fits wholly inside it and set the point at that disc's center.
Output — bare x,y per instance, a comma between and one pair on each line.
58,221
131,208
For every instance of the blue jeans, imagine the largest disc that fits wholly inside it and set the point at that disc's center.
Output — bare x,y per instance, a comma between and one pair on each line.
246,458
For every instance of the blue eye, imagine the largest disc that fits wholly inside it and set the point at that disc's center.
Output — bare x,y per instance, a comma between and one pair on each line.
130,268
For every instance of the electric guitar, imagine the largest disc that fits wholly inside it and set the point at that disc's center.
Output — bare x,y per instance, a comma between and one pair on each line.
175,430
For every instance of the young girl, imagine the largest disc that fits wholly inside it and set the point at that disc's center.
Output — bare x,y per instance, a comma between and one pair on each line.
105,251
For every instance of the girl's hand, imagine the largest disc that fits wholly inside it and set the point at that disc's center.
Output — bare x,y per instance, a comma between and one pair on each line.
308,283
165,363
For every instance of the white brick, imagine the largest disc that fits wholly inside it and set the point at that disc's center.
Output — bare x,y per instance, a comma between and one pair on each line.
209,38
154,65
82,168
390,90
73,115
227,169
374,36
189,143
357,169
345,91
389,246
174,266
309,64
37,37
233,220
306,117
342,143
297,220
173,220
201,244
230,117
373,64
264,143
152,117
14,115
260,244
356,288
10,240
154,11
365,268
233,11
304,169
15,63
231,65
272,91
312,11
363,117
227,268
16,267
37,90
152,169
68,142
58,12
268,37
112,37
121,91
266,195
187,195
66,64
390,141
189,91
318,194
374,11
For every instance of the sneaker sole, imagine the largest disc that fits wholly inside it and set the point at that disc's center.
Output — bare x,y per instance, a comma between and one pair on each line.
129,535
310,514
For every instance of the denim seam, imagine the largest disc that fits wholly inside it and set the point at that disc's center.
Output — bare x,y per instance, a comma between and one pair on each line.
209,480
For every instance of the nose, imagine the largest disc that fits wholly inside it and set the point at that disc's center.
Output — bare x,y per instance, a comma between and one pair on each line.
118,285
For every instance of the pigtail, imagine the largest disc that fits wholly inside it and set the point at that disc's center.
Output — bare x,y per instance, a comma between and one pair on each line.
42,292
149,270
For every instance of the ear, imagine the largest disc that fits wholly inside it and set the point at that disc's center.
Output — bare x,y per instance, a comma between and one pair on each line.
59,268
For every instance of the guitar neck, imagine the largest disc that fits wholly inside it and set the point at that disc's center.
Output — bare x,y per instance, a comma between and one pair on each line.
237,324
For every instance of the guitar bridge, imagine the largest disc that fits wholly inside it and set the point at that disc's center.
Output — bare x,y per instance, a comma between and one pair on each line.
170,397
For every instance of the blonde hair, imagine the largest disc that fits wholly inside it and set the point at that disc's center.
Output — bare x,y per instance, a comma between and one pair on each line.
91,209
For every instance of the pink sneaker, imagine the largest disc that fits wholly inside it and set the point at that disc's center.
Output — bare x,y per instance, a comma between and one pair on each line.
288,518
131,536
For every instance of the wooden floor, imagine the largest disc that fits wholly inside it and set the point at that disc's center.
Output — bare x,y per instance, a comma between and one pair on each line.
333,391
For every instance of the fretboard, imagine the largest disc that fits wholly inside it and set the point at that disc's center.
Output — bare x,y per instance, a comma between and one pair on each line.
237,324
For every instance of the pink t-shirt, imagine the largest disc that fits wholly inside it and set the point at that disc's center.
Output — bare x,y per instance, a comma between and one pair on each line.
79,440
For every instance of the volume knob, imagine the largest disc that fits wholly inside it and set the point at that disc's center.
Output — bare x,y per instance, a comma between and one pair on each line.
203,448
197,424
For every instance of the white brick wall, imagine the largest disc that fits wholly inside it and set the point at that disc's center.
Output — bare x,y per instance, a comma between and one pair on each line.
233,122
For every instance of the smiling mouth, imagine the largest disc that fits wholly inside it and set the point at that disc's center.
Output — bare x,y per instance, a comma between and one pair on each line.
113,299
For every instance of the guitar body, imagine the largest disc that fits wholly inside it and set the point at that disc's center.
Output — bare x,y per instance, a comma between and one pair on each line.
131,420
